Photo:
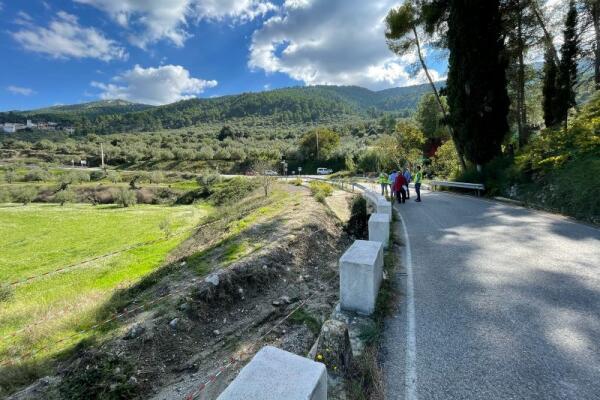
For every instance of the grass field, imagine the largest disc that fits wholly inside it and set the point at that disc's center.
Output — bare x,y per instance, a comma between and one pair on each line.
39,238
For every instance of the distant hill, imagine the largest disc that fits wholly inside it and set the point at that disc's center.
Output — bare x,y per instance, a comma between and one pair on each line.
93,108
309,104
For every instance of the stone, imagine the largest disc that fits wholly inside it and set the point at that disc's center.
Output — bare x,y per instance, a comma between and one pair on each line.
134,332
174,322
213,279
334,348
275,374
379,229
361,272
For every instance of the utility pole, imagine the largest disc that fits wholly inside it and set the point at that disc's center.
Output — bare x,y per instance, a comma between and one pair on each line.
102,154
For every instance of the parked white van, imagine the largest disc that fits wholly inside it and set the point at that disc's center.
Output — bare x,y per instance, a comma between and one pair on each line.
324,171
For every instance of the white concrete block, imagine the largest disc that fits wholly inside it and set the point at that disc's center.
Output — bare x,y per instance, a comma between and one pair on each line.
361,272
274,374
385,207
379,228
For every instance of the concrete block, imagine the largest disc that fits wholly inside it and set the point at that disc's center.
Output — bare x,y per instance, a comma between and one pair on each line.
379,228
274,374
385,207
361,272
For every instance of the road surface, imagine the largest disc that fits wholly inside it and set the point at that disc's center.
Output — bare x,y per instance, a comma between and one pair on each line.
498,302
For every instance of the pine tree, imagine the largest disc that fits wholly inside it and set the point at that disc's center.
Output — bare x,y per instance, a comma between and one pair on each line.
549,88
567,68
477,93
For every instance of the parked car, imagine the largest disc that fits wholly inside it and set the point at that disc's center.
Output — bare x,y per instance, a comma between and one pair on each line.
324,171
270,173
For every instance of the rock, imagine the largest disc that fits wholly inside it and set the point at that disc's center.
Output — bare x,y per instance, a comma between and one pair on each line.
276,303
217,332
134,332
285,299
183,264
241,291
132,380
173,324
184,307
213,279
333,347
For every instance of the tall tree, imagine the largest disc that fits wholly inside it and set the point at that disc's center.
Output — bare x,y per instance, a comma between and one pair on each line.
567,68
549,89
477,93
403,37
590,35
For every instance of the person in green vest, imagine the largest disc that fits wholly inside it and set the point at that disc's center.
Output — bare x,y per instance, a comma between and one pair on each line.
383,181
418,180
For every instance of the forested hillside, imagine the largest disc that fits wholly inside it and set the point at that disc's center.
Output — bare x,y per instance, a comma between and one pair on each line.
291,105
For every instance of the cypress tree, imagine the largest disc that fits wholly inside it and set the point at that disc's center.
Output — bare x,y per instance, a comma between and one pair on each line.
567,68
549,88
476,84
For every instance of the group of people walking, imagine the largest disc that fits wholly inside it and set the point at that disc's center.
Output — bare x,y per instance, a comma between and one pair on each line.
398,182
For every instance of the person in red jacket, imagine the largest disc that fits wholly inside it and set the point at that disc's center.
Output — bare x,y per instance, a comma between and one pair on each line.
400,185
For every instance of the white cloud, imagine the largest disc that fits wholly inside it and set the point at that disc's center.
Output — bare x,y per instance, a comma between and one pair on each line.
65,38
167,19
331,42
20,90
161,85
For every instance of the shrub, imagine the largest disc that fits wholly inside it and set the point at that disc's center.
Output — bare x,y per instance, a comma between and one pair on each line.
37,175
4,196
157,177
231,190
10,176
320,190
24,194
445,162
357,225
6,292
64,196
296,182
97,175
113,176
126,197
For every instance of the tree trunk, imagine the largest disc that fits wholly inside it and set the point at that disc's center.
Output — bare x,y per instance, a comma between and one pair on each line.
521,109
596,21
547,36
439,100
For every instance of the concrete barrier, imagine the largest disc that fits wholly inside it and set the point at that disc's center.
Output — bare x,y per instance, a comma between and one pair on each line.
379,228
274,374
385,207
361,272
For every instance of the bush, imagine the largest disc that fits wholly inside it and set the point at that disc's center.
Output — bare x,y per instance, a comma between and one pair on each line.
320,190
97,175
231,190
113,176
126,197
24,194
296,182
37,175
64,196
358,224
4,196
445,162
157,177
6,292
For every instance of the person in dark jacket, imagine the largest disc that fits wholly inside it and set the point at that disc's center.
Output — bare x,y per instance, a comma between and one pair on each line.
400,185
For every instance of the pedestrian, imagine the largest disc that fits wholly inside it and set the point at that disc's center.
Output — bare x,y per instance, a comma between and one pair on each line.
383,181
418,179
408,178
391,181
400,186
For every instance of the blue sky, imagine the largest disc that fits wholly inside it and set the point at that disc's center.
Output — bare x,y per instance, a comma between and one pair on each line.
160,51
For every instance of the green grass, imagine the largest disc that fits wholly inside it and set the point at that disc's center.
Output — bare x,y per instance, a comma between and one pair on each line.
39,238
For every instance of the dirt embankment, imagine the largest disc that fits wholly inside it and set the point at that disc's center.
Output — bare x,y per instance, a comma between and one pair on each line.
230,287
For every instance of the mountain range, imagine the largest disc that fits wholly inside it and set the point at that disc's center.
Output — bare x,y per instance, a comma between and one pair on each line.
309,104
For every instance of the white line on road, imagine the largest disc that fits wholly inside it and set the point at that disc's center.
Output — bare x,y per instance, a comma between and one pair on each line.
411,343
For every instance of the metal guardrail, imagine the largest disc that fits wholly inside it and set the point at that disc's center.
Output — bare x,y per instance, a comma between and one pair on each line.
463,185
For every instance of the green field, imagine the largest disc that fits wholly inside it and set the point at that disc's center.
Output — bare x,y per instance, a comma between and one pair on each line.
39,238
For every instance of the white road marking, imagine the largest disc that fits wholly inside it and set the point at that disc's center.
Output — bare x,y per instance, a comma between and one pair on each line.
411,343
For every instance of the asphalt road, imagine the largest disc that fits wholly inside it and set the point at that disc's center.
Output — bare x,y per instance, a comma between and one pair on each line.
506,304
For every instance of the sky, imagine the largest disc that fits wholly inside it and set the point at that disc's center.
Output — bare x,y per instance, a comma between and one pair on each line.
161,51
